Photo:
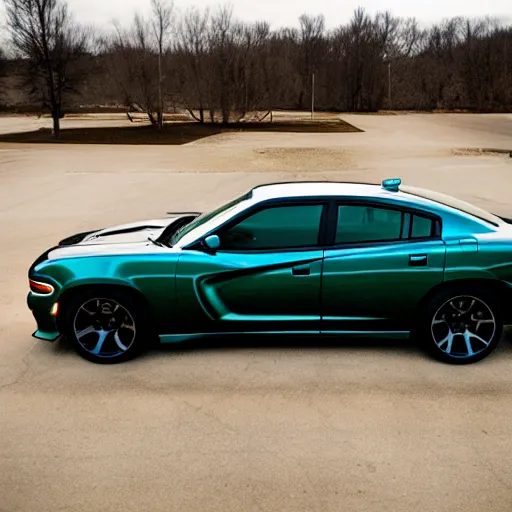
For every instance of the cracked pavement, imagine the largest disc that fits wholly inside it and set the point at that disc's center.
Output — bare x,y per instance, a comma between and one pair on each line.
257,424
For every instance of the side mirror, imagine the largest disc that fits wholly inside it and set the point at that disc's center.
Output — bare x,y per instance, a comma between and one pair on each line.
212,242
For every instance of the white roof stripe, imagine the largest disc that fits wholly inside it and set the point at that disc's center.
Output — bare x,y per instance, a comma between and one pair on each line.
312,189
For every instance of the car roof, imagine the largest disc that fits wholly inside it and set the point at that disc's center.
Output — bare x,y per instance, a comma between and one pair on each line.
318,189
411,196
387,191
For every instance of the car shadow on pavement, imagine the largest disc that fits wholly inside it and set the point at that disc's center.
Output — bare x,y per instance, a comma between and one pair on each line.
284,342
406,348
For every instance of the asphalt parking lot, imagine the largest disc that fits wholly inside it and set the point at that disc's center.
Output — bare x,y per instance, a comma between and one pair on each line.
252,425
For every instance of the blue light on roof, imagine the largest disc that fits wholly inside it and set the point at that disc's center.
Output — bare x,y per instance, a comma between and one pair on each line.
392,185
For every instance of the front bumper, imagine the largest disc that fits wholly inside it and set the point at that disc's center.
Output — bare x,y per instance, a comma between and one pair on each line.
41,307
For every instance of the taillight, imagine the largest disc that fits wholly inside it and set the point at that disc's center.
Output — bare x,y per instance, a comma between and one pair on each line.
41,288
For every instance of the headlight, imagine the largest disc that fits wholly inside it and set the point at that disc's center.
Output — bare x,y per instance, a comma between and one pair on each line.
41,288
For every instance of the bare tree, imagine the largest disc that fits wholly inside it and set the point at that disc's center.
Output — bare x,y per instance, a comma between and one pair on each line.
43,33
192,46
132,62
312,49
162,24
222,42
231,71
3,72
136,59
221,58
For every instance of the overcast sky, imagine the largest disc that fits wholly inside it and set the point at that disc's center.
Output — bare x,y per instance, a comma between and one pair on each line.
286,12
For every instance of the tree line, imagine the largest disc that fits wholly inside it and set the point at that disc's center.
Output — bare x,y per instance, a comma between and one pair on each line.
221,69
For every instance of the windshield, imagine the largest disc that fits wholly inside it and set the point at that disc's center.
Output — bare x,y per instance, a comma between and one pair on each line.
206,217
452,202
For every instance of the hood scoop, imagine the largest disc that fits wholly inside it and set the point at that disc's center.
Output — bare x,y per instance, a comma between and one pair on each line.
135,232
76,239
125,231
100,236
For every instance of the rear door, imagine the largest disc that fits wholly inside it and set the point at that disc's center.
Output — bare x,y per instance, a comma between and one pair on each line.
266,276
383,261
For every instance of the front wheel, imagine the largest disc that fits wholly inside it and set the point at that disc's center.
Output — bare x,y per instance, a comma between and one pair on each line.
462,326
105,327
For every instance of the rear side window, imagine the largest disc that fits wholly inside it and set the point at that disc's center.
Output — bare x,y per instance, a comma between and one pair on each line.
367,224
361,224
422,227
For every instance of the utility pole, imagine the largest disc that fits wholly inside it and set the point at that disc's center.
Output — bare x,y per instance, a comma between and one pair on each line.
313,96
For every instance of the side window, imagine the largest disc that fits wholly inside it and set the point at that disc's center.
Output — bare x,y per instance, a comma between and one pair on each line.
281,227
422,227
360,223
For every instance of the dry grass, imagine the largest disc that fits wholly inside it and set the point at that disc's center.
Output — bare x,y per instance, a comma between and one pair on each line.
320,126
481,152
176,133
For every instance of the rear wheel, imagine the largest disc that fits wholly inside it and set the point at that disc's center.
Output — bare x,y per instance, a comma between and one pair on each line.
106,326
462,326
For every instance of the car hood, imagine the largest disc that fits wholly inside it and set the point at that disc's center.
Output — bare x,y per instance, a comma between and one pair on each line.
122,239
122,234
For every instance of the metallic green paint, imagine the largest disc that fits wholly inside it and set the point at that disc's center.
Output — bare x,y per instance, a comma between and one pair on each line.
168,339
374,288
364,290
248,292
152,275
41,306
47,335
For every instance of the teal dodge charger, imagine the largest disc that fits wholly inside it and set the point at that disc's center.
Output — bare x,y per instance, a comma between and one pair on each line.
345,259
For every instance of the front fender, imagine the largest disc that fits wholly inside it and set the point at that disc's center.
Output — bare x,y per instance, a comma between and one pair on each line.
152,275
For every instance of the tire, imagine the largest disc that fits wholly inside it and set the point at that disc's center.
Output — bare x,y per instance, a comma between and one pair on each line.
461,325
106,326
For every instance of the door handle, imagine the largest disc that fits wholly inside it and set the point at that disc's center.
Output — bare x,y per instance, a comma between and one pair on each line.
418,260
304,270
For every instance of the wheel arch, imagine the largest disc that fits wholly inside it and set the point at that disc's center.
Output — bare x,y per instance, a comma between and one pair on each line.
73,291
495,286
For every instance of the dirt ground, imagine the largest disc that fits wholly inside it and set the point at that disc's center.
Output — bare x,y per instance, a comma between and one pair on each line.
296,426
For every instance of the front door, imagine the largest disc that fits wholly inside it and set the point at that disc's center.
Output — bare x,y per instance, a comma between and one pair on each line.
266,276
383,263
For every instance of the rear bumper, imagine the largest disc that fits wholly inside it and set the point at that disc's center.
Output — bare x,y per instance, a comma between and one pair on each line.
41,306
